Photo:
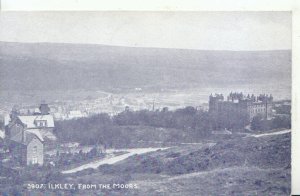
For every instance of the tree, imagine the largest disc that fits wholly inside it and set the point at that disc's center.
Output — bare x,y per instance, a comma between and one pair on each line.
256,123
282,122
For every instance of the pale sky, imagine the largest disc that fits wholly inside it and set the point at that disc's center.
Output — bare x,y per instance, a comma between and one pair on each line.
186,30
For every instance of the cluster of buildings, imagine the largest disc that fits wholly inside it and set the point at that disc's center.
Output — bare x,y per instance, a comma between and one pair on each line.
248,106
59,111
29,130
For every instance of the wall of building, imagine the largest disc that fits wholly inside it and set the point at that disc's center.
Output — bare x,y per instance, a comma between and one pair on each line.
237,107
16,132
35,152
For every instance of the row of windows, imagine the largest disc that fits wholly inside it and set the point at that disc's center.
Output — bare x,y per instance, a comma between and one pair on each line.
257,106
258,110
34,160
41,123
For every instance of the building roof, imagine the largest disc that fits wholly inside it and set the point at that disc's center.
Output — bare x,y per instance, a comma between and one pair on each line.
47,134
36,132
28,136
75,112
30,119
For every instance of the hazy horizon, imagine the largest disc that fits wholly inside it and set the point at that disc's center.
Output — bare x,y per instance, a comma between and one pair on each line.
95,44
234,31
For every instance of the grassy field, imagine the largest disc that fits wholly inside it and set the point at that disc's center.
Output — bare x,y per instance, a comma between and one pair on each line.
237,166
226,181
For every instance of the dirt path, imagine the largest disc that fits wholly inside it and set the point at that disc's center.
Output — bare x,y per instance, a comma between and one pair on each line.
112,160
273,133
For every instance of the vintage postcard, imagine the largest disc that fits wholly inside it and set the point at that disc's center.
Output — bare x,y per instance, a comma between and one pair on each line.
145,103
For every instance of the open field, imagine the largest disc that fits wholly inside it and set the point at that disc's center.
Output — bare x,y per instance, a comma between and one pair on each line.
225,181
237,166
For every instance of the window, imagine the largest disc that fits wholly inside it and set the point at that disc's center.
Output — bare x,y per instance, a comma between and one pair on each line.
41,123
34,151
34,160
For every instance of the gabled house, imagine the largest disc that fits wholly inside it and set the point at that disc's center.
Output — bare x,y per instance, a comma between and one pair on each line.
27,146
28,134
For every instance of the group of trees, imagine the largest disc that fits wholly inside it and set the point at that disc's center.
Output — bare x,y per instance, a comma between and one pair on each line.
103,129
106,130
281,121
97,129
185,118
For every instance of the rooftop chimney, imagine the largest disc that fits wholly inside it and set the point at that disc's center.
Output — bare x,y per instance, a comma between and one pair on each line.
44,108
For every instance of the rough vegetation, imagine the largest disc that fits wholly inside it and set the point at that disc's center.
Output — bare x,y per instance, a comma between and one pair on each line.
240,166
266,152
130,127
282,121
140,128
247,166
235,166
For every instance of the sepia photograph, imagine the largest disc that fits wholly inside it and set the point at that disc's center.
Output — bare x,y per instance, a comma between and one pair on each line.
145,103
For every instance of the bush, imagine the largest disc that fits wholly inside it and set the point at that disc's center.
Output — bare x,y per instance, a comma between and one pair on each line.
283,121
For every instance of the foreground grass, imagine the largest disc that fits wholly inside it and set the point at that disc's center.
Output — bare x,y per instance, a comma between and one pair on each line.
232,166
237,166
226,181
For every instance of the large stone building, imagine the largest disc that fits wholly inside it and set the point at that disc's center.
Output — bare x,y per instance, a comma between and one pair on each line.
27,135
237,104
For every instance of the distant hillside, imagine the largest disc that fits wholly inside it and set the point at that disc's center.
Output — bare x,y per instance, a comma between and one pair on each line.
52,66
